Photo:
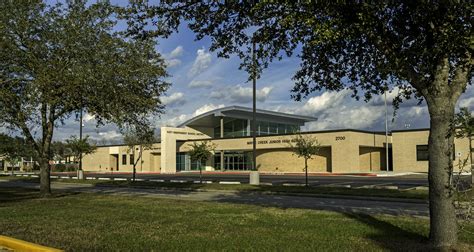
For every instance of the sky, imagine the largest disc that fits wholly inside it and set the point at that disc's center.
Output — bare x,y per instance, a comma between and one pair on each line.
202,82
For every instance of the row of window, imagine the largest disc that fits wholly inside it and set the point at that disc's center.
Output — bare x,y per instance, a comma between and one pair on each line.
239,128
124,159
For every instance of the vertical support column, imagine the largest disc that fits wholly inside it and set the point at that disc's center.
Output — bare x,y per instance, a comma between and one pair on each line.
222,136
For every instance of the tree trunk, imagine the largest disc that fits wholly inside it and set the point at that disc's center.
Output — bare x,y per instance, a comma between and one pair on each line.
45,184
443,225
470,157
306,170
200,172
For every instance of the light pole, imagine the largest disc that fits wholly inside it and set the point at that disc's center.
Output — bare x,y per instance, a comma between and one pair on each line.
80,173
254,176
386,132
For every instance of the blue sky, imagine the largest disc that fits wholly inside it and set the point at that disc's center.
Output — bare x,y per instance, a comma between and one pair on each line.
202,82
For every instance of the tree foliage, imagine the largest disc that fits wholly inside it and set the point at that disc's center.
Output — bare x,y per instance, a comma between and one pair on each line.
201,152
58,59
422,50
305,147
78,148
12,149
464,123
139,139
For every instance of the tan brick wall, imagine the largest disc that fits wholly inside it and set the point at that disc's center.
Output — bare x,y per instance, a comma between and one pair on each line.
284,160
98,161
371,159
404,151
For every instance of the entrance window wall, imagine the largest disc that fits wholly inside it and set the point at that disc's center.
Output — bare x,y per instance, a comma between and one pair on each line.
184,163
235,161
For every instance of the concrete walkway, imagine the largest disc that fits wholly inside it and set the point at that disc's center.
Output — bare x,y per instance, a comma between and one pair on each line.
338,204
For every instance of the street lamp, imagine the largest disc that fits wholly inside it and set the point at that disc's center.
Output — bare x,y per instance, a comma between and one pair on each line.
386,132
254,176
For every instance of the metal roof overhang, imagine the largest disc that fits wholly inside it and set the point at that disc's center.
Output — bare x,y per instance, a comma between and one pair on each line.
211,118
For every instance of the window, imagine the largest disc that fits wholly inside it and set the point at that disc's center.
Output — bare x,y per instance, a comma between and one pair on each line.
422,153
132,159
124,159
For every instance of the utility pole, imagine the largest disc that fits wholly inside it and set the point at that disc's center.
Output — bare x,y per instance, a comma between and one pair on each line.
386,132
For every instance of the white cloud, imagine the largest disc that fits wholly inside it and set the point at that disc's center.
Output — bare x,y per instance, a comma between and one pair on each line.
88,117
201,63
241,94
109,135
174,98
177,52
200,84
323,102
206,108
171,59
467,102
362,117
172,62
174,121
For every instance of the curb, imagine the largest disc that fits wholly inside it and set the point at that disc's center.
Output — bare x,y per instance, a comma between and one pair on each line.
20,245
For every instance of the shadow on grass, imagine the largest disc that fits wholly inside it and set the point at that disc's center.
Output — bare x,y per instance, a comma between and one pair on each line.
18,194
391,237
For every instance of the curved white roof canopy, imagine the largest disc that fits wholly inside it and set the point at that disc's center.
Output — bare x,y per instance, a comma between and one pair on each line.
211,118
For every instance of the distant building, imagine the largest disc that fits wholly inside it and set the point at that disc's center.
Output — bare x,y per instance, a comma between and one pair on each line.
229,129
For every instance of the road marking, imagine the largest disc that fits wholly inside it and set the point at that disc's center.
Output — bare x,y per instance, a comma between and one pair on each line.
103,178
340,184
204,182
122,179
178,181
229,183
157,180
371,185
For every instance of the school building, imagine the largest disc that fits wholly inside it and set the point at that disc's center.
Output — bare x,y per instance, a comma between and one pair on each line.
229,131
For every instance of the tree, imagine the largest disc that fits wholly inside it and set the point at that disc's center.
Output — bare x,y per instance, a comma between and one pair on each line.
305,147
139,139
59,152
201,152
464,127
423,50
78,148
59,59
13,149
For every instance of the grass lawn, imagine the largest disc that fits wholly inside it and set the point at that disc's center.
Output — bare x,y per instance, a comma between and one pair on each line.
99,222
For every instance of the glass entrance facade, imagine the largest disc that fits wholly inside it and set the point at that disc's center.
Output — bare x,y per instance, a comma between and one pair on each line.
184,163
234,161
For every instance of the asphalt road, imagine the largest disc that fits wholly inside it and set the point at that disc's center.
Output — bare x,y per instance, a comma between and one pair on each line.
401,182
338,204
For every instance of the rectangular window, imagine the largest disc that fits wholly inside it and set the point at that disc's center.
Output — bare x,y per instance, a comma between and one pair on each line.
422,153
132,159
124,159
